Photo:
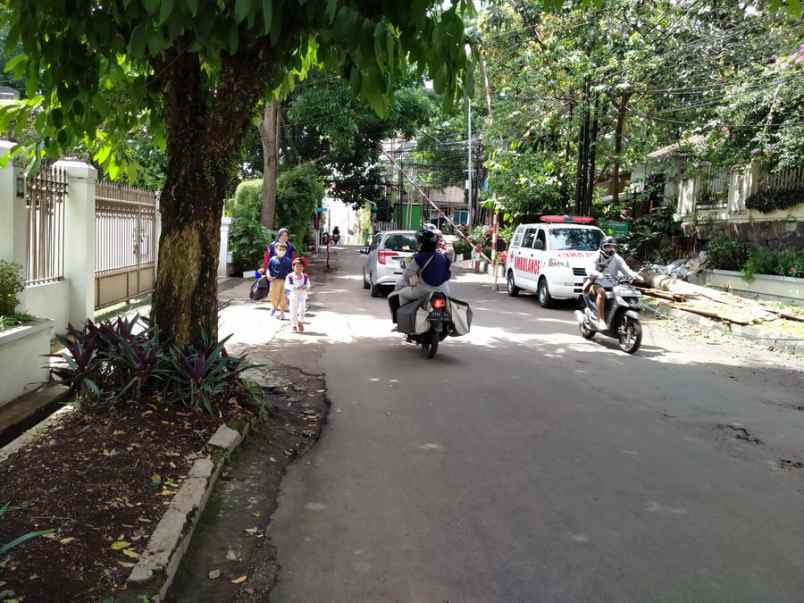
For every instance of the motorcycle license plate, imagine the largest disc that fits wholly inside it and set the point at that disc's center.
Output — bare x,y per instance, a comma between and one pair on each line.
438,315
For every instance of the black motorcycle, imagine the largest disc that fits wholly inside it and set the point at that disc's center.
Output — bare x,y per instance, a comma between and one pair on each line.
621,313
430,320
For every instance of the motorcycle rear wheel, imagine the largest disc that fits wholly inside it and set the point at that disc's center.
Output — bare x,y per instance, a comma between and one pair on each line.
586,332
430,343
630,335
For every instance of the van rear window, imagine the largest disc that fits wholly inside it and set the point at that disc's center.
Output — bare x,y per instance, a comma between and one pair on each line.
575,239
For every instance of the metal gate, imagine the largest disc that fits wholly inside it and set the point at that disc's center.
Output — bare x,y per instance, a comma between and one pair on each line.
45,195
125,238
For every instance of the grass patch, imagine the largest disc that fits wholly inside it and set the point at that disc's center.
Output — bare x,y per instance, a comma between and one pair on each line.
9,321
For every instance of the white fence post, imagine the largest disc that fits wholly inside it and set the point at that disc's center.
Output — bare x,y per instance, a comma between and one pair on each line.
79,239
12,212
223,256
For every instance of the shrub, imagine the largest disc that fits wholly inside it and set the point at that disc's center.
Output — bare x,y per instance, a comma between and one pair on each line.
761,260
248,240
110,362
768,201
11,284
298,193
726,253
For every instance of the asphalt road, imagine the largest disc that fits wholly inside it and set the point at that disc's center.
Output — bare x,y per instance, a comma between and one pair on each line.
524,463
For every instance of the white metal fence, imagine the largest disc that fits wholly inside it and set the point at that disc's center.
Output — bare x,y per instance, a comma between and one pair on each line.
45,195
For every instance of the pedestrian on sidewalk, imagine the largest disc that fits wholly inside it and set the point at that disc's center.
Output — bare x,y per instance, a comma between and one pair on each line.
297,285
281,239
278,269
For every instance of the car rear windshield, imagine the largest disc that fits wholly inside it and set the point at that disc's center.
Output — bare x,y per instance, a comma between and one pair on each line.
575,239
400,242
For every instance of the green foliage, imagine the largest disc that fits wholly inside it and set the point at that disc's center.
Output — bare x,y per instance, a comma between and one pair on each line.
763,260
5,549
92,86
11,284
247,202
247,241
772,200
112,362
298,193
650,235
727,253
8,321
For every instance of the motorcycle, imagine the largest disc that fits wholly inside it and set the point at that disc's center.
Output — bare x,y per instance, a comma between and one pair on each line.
621,314
336,238
426,322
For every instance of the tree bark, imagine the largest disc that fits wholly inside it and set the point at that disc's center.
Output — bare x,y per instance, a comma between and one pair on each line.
204,129
269,134
618,145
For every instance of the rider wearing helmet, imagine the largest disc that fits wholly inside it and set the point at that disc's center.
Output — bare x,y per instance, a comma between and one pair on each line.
429,269
606,263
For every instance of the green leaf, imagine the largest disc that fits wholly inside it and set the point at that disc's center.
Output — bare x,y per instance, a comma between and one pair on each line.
152,6
57,117
332,10
242,10
24,538
166,11
103,154
193,6
267,15
793,8
276,27
18,61
139,38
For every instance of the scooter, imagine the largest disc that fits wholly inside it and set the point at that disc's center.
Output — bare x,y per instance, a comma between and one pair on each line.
621,314
438,317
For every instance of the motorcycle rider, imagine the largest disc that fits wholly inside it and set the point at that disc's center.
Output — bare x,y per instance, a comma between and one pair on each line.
427,270
607,263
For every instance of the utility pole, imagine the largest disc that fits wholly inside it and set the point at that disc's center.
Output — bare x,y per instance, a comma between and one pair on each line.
494,219
469,159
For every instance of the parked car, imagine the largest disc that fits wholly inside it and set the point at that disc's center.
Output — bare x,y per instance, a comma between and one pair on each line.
551,257
384,258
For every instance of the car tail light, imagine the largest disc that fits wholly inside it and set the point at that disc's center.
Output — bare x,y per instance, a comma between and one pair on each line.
438,302
384,255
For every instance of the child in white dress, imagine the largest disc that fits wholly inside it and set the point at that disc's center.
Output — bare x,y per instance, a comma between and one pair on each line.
297,284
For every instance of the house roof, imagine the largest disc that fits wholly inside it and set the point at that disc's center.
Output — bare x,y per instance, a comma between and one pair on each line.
674,148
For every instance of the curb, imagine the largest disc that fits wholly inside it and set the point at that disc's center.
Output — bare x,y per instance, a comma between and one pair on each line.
752,333
156,568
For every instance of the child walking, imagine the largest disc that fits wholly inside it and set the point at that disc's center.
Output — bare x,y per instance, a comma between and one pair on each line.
297,284
279,267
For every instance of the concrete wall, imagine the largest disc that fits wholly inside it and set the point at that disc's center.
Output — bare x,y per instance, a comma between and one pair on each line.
21,359
780,288
50,300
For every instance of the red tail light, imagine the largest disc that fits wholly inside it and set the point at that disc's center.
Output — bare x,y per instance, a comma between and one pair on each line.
384,255
438,303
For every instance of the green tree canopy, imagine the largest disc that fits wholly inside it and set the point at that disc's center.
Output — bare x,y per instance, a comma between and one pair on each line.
194,72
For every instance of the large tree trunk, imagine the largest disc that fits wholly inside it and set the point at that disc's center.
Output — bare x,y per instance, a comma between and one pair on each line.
202,137
269,133
618,146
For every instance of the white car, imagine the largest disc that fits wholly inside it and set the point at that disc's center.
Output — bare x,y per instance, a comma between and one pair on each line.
551,257
384,259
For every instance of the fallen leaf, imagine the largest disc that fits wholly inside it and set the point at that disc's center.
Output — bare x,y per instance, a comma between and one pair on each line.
156,479
66,540
120,545
131,553
240,580
214,574
126,564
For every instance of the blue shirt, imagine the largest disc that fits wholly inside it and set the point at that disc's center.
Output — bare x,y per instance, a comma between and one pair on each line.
280,267
437,271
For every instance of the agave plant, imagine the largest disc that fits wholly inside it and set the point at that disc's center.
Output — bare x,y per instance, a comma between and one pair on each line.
6,548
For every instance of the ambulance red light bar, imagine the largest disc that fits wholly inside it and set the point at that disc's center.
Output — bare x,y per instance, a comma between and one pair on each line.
568,219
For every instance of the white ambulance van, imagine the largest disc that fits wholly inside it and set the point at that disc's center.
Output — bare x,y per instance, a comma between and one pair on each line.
551,257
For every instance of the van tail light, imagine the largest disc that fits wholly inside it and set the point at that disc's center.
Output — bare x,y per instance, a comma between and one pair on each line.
438,302
384,255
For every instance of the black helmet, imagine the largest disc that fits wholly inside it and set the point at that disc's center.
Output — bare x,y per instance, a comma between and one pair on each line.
608,242
426,239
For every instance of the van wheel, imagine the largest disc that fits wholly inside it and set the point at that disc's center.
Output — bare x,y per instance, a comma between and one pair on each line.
511,287
545,300
366,284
